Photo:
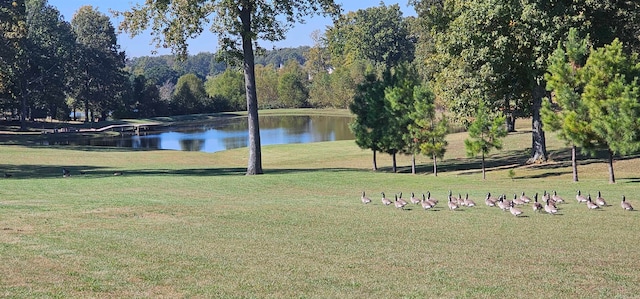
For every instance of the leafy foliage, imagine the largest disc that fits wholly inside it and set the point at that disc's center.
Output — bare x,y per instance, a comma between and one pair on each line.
612,95
485,133
190,96
427,131
227,90
371,117
98,78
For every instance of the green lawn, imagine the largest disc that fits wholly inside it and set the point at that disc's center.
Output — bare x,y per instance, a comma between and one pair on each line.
190,224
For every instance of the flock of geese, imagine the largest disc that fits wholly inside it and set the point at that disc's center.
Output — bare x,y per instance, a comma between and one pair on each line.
548,203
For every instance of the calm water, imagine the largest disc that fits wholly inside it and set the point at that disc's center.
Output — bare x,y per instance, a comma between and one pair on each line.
232,133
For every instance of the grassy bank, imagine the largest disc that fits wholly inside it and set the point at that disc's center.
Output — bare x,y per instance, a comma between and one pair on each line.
189,224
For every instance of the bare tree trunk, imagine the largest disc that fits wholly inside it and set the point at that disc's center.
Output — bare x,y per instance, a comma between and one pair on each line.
23,108
484,174
255,152
510,122
413,164
394,166
574,163
538,143
612,178
435,165
375,163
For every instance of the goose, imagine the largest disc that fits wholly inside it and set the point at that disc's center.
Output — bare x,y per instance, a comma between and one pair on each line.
430,199
7,175
625,205
365,199
453,198
385,200
525,198
452,205
514,211
503,205
517,200
425,203
414,199
590,204
550,209
536,205
66,173
117,173
468,202
545,196
580,198
556,197
461,201
600,200
490,201
398,204
402,201
506,201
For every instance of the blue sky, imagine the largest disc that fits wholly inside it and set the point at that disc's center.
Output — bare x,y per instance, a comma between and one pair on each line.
300,35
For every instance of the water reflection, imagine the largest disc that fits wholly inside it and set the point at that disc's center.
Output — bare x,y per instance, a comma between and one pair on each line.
232,133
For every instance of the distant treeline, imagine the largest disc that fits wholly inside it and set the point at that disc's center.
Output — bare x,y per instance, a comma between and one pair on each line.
163,68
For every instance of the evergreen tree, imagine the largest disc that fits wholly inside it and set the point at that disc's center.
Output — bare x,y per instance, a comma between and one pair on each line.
371,118
427,131
612,95
571,121
485,133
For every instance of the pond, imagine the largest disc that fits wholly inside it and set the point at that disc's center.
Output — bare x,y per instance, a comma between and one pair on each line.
230,133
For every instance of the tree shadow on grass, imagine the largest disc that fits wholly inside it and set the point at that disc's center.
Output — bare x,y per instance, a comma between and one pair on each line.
8,171
500,160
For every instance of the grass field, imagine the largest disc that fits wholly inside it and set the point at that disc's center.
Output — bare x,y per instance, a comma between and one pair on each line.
190,224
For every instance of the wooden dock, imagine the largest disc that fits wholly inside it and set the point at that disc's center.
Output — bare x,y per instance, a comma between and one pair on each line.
133,128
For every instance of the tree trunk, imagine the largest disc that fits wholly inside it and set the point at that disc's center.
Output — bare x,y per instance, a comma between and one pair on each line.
612,178
538,143
435,165
394,167
255,152
23,108
574,163
413,164
510,122
375,163
484,174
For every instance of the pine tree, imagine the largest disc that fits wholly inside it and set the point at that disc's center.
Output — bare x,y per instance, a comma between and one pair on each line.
485,133
427,131
612,95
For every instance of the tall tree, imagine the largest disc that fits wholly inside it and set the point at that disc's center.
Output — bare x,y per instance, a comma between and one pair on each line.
485,133
266,86
377,34
50,46
612,95
571,120
189,96
13,37
228,87
238,24
99,78
292,86
371,116
427,131
400,83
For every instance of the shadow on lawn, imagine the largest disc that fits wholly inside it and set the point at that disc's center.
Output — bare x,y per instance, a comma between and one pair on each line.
560,160
500,160
53,171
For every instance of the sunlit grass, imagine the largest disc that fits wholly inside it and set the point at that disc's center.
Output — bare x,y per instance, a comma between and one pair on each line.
190,224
